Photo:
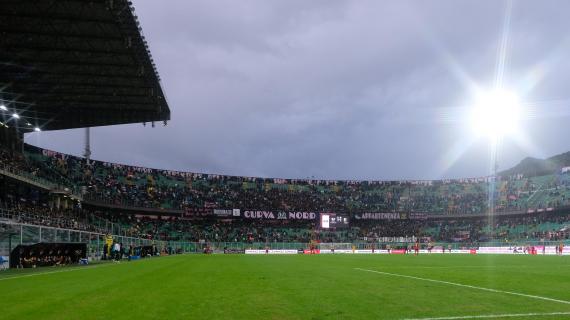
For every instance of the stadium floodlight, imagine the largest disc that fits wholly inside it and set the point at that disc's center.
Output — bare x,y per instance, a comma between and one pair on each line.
16,116
36,129
3,108
496,114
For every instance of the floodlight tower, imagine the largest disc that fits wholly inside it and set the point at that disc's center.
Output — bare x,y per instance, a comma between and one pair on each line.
87,153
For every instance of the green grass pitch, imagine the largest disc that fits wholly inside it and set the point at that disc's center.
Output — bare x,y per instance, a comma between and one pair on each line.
294,287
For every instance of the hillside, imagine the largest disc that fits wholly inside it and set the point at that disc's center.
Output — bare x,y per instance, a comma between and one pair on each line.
535,167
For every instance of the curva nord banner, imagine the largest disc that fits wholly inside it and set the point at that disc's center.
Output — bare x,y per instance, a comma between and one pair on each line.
279,215
249,214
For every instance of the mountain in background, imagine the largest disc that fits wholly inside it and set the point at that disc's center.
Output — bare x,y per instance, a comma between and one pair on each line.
538,167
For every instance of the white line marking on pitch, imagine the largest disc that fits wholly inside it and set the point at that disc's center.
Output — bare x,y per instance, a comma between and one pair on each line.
59,271
492,316
455,267
72,269
465,286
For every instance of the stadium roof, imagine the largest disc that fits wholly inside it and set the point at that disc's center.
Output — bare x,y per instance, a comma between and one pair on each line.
76,63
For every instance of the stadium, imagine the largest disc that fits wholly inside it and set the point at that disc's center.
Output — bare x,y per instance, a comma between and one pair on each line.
88,238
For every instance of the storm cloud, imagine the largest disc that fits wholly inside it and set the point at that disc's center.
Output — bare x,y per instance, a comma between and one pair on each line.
340,89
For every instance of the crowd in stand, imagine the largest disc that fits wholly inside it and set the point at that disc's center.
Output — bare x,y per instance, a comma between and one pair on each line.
32,212
18,163
151,188
389,228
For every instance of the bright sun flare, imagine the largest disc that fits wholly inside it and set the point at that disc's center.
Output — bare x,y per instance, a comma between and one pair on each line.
496,114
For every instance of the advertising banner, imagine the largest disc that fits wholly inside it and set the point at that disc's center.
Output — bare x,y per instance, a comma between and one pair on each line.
500,250
379,216
234,251
391,216
223,212
270,251
335,251
481,250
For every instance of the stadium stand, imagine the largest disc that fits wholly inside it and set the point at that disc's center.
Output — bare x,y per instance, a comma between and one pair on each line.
192,207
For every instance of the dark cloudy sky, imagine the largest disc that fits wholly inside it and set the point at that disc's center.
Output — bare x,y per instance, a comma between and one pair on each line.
341,89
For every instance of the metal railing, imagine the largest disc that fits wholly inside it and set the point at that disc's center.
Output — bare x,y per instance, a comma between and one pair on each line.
39,181
89,223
